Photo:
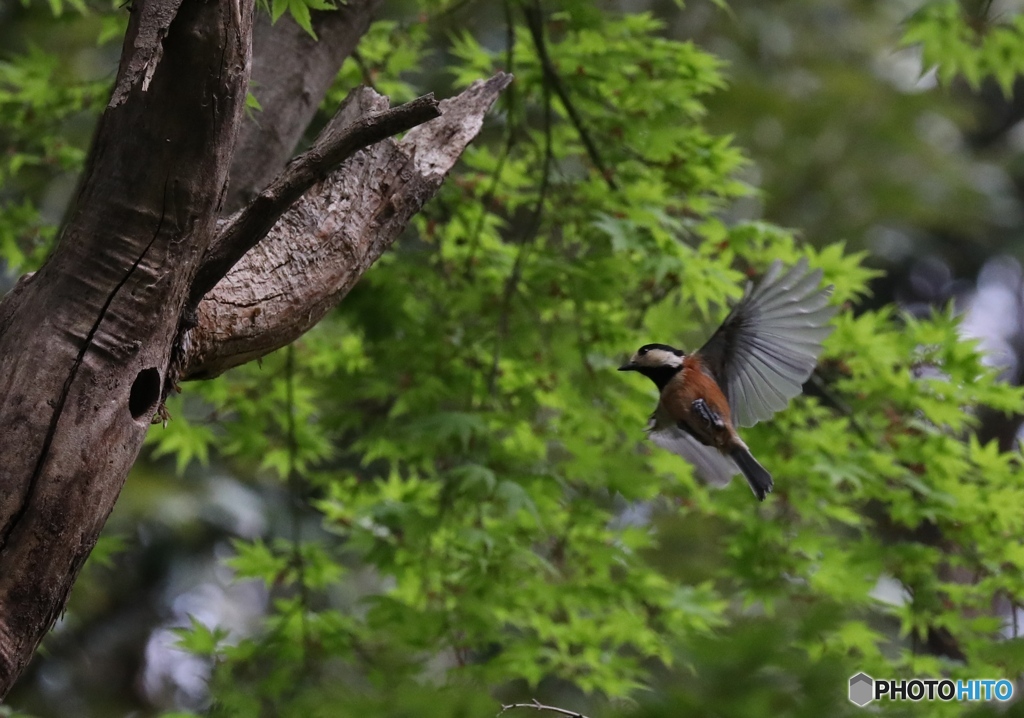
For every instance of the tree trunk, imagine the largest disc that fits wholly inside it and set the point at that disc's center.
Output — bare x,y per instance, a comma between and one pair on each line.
90,342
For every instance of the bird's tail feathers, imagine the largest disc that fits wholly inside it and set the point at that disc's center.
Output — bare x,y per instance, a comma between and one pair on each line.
757,476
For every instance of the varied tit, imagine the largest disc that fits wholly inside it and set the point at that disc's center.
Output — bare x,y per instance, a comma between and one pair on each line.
750,368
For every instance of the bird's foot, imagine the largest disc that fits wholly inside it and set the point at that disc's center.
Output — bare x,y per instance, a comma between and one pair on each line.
711,418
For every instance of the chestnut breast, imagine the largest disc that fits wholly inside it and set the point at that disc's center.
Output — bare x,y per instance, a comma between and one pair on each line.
691,383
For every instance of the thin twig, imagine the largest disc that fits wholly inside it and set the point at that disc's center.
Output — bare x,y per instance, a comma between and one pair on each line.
531,235
335,144
537,705
1016,624
832,397
535,24
582,344
452,9
364,70
510,138
295,489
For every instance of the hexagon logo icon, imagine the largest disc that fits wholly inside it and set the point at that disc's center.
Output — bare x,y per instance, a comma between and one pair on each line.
862,689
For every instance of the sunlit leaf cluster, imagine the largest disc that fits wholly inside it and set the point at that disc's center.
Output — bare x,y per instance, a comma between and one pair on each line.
960,41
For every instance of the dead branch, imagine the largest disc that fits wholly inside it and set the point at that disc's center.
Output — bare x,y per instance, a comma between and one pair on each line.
339,140
291,73
330,237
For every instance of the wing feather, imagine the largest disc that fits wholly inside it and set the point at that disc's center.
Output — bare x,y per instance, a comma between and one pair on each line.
709,465
769,344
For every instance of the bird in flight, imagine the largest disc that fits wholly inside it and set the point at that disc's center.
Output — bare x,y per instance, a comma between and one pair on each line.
748,370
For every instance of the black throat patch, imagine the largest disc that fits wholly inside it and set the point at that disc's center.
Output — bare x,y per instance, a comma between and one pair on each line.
660,375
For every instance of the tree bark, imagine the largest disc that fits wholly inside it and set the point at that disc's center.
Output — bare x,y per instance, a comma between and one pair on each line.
90,342
318,250
85,341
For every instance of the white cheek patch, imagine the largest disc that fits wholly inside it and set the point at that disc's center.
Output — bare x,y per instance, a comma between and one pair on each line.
660,357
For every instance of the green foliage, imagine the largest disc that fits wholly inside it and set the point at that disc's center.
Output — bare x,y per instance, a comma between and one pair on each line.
299,10
842,135
200,640
386,52
8,712
39,98
106,548
959,43
57,7
484,448
490,518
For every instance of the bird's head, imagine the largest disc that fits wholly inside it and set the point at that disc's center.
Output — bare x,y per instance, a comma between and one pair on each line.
659,362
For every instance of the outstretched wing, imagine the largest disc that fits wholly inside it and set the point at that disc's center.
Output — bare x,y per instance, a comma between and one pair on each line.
709,465
769,344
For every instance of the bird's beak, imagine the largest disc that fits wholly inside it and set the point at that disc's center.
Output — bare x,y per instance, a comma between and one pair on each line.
628,367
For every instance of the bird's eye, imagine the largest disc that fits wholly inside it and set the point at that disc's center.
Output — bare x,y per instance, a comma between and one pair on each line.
643,351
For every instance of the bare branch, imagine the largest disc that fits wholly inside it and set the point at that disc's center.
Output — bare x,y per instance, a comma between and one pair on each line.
291,73
331,236
537,705
339,140
147,41
535,24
